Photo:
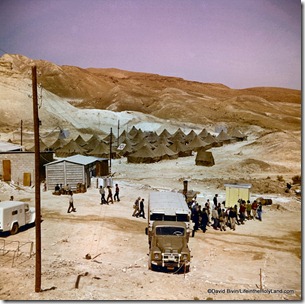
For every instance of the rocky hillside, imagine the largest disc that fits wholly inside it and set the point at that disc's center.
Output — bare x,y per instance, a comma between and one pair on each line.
164,97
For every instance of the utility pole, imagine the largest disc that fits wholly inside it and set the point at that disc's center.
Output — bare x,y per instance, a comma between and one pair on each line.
37,183
110,142
21,122
118,132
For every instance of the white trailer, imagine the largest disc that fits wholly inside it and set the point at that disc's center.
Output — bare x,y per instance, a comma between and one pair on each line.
15,214
167,206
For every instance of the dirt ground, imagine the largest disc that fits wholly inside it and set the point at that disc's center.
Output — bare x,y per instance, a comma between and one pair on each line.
231,265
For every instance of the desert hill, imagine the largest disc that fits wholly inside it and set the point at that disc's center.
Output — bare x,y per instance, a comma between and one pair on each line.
163,97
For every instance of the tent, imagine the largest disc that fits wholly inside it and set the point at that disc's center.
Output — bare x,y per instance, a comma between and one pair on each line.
181,149
58,144
163,152
204,158
144,155
80,141
189,137
223,137
198,143
70,149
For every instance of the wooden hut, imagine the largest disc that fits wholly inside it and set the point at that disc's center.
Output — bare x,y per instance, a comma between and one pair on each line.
74,170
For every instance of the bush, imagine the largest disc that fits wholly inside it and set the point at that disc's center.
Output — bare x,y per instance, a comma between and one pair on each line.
297,179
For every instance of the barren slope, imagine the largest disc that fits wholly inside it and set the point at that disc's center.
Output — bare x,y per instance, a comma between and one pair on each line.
161,96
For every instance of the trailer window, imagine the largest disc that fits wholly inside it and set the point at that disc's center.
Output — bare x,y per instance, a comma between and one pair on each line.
170,218
14,212
157,217
182,218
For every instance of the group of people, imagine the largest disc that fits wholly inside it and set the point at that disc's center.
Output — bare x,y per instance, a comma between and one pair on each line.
220,217
59,189
138,208
110,198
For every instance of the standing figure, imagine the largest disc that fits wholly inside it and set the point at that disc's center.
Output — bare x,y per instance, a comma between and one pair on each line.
223,220
259,211
116,194
254,208
136,207
215,218
204,220
215,200
232,217
142,212
71,204
109,197
248,207
102,193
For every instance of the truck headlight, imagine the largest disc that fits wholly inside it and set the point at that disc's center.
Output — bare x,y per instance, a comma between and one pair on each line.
184,256
157,255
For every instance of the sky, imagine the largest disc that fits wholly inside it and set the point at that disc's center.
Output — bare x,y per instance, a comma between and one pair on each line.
239,43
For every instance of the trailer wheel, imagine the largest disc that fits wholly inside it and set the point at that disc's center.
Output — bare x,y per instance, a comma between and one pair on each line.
14,229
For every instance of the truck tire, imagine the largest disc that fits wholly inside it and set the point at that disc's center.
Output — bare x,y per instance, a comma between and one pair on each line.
14,229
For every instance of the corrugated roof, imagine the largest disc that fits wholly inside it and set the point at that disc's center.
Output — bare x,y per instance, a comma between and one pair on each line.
78,159
7,146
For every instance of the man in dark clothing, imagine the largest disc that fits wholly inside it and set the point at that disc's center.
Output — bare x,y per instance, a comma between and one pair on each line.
215,200
142,212
116,194
204,220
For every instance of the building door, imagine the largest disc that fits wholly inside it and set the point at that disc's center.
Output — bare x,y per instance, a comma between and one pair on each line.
7,171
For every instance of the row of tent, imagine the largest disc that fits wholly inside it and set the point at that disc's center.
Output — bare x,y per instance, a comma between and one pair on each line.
142,146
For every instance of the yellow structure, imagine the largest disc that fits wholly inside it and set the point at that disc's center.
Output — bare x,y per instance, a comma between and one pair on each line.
234,192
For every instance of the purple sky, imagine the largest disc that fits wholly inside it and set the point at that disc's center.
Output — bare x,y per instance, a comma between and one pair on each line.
240,43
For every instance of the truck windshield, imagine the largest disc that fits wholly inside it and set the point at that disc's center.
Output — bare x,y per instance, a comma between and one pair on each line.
168,230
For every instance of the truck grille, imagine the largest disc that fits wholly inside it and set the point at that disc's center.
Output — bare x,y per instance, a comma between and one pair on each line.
169,258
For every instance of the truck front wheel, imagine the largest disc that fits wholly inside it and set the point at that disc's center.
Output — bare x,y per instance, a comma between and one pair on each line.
14,229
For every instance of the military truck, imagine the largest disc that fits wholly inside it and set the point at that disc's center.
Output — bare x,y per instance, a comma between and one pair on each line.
169,246
168,206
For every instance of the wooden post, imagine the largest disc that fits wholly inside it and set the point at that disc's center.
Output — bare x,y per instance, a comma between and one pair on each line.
261,278
37,183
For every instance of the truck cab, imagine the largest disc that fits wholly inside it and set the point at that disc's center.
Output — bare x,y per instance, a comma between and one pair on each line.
168,206
169,246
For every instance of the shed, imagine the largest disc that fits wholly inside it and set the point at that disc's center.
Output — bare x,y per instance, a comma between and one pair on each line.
74,170
234,192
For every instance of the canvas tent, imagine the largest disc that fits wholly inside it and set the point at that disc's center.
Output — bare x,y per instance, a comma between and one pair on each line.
204,158
144,155
71,148
163,152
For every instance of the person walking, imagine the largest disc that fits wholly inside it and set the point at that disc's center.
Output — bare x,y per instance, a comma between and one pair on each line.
142,212
136,207
71,203
102,193
259,211
109,197
117,192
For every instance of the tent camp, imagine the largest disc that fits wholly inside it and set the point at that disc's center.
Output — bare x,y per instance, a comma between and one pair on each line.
204,158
